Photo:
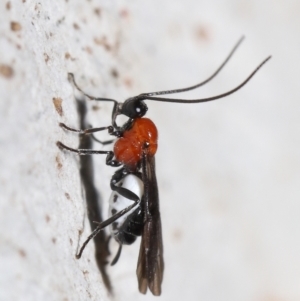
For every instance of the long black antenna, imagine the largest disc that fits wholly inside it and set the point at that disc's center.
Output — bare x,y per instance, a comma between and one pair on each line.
175,100
204,82
72,79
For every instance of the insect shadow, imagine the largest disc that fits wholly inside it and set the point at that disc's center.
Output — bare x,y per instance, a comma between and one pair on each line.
135,201
92,197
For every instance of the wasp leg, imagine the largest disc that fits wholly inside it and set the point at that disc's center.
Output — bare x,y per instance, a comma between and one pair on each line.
83,152
126,193
105,224
106,142
115,110
115,260
90,131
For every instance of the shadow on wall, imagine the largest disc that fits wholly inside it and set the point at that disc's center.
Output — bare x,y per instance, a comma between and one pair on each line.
93,199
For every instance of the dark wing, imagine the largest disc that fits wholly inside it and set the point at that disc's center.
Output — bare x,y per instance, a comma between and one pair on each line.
150,265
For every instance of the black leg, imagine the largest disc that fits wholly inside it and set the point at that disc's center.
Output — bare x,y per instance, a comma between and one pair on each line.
106,223
91,131
115,260
116,109
83,152
126,193
87,131
106,142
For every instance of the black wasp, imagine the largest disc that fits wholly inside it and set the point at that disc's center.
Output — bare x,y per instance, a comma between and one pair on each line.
134,203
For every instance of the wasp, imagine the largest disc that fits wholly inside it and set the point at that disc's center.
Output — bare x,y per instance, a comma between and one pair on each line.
134,202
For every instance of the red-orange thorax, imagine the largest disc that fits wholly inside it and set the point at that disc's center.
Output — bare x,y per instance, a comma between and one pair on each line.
129,149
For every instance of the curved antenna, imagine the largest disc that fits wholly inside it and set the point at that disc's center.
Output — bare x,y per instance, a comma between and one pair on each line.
175,100
204,82
71,78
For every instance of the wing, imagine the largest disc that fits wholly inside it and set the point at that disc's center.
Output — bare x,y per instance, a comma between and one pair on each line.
150,265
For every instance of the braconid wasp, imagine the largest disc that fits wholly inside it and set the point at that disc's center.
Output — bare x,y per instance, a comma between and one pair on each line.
134,203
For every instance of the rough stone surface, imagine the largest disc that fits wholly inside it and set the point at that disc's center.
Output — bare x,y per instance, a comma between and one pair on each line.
228,171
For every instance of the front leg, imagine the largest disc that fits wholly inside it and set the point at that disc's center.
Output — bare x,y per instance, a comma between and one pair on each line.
90,131
83,152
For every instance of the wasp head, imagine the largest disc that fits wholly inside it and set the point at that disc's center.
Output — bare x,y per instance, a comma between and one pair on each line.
134,107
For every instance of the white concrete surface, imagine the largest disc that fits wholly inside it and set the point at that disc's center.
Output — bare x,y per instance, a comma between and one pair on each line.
228,171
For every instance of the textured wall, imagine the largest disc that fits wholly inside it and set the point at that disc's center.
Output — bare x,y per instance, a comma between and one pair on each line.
228,171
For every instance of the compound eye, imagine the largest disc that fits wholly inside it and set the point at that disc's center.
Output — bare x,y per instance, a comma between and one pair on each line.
138,110
142,109
134,108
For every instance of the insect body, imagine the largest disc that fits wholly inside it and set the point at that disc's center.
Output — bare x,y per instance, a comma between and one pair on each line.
134,204
129,148
130,225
